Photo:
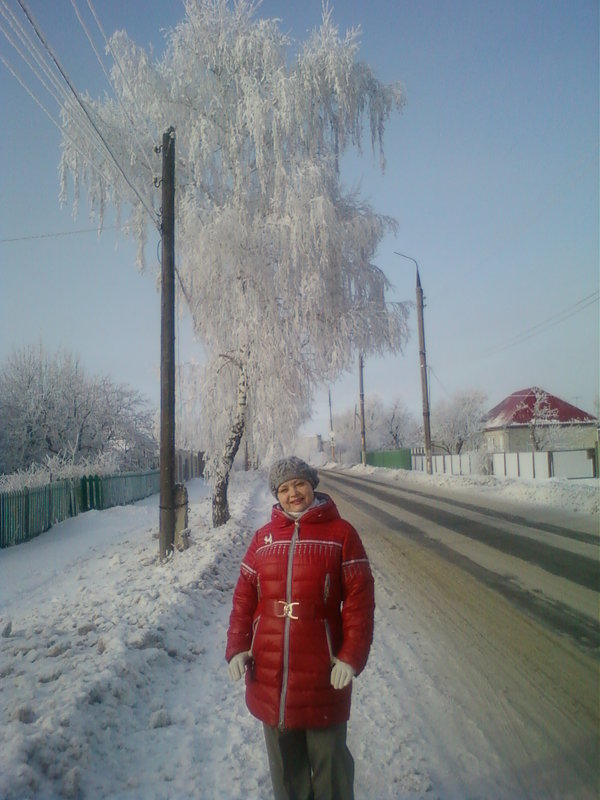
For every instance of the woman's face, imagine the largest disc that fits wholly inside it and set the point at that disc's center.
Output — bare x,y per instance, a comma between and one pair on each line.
295,495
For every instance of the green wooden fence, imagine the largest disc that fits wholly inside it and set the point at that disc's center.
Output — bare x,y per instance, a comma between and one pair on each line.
26,513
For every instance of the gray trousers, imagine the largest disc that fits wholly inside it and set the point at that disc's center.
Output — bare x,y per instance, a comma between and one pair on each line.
313,764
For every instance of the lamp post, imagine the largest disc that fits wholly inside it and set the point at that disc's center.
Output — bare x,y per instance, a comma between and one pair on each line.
331,436
423,363
363,431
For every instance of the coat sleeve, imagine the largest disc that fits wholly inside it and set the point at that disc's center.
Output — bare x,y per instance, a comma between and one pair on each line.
245,601
358,603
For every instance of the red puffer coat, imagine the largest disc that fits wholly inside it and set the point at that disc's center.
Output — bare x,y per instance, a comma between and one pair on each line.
305,594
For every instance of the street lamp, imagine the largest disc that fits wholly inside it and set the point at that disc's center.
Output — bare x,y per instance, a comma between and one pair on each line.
363,429
331,436
423,362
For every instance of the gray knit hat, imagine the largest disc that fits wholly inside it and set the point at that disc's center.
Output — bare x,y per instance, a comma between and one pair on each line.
293,467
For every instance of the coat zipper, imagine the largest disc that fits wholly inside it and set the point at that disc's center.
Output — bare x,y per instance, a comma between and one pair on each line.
286,629
326,588
254,629
328,637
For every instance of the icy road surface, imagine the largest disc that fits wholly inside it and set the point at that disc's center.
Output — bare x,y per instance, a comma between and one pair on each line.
497,673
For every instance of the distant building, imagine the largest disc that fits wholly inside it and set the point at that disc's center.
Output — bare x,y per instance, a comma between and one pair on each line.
311,449
533,419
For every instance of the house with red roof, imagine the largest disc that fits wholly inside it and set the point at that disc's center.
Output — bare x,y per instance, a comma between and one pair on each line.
534,419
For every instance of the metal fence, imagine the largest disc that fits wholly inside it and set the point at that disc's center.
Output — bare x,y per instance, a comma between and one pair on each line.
571,464
392,459
26,513
446,464
552,464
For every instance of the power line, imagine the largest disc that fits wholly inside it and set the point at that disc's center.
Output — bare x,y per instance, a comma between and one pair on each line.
57,234
107,76
31,51
48,113
43,71
557,317
435,375
547,324
45,75
81,104
59,92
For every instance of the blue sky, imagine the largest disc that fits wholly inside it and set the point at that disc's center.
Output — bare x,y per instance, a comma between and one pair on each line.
492,175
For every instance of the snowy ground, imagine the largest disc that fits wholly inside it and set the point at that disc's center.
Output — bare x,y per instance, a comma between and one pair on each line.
112,677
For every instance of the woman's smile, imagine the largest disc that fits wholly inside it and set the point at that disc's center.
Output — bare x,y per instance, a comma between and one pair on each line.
295,495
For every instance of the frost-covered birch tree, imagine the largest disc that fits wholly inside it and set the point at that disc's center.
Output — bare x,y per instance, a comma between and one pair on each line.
546,432
458,422
275,258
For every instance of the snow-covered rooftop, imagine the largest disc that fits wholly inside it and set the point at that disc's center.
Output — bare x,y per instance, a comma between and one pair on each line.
522,406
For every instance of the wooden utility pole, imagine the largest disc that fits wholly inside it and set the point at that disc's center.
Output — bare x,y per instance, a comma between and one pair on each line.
424,388
167,349
363,433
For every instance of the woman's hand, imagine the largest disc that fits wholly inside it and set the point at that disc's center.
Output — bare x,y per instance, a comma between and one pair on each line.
237,665
341,674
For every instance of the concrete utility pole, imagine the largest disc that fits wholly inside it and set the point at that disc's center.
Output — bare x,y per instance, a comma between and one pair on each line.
423,363
363,433
167,350
331,434
424,387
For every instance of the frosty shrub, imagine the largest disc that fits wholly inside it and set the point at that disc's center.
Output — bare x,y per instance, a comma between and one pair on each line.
388,426
50,409
57,468
457,423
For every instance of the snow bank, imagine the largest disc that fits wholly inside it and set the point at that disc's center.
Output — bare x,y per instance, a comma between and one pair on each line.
572,495
113,680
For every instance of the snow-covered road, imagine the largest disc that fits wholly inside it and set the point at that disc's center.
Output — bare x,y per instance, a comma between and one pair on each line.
549,570
505,707
113,683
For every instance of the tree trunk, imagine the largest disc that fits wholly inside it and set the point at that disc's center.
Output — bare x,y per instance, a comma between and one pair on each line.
535,445
220,505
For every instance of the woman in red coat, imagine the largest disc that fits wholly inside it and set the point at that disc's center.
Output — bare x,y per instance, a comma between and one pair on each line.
300,629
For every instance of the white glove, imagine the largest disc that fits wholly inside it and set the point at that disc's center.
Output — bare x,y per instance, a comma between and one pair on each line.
237,665
341,674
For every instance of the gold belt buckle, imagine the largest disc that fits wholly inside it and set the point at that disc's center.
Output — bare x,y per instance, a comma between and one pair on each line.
288,609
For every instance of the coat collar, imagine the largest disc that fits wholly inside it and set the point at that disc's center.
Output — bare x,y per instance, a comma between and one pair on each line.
325,511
